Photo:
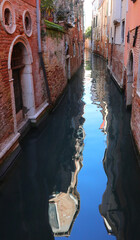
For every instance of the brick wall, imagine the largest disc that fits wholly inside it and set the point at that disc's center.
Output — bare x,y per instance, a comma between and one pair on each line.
100,47
75,36
6,39
135,120
117,64
55,63
53,46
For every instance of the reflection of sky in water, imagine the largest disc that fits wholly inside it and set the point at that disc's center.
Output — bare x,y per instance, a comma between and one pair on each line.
91,179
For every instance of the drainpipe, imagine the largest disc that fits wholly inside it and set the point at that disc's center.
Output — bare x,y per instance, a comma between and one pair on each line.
40,50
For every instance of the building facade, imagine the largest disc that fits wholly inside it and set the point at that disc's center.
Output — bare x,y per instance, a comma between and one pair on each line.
121,47
38,54
62,42
22,92
117,21
132,66
99,27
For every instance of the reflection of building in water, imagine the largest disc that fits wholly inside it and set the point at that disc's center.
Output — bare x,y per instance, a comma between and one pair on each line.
65,206
120,201
109,209
64,202
63,210
49,163
105,114
98,89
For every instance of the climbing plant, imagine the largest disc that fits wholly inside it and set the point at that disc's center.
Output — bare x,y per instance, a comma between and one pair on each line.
47,4
47,9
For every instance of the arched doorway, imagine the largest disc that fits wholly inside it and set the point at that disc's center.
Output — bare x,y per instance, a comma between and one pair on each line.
21,73
129,87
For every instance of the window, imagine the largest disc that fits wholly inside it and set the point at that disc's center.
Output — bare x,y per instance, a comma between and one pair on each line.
123,30
79,49
74,50
131,63
78,26
115,34
96,21
8,17
27,23
138,79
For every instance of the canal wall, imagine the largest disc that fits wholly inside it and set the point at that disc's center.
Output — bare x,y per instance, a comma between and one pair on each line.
76,46
132,67
25,85
54,59
116,32
21,91
115,63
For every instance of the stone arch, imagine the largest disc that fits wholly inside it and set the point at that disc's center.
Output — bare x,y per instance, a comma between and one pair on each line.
26,44
20,75
130,79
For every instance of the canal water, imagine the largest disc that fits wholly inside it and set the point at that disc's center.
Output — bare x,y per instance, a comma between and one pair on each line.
77,174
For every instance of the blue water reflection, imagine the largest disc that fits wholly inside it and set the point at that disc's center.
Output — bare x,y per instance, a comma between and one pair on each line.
75,176
92,179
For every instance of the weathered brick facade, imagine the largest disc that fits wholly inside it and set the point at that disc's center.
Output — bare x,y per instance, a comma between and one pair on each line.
53,46
122,48
13,33
116,63
76,37
132,67
99,28
23,93
108,35
62,44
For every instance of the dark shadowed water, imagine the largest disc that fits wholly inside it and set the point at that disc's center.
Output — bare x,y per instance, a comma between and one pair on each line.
77,174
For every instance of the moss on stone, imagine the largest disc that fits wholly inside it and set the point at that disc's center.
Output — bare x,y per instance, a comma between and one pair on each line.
54,26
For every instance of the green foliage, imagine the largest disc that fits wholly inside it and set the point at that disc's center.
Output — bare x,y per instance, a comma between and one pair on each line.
53,30
47,4
53,26
88,32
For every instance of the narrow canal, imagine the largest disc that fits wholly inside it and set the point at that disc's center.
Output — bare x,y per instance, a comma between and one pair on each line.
77,174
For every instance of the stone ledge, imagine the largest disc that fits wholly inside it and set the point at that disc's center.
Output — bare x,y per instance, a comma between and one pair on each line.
10,147
40,112
120,86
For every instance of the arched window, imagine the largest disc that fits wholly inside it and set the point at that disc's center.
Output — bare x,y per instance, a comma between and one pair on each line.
74,49
129,87
131,63
7,16
27,23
